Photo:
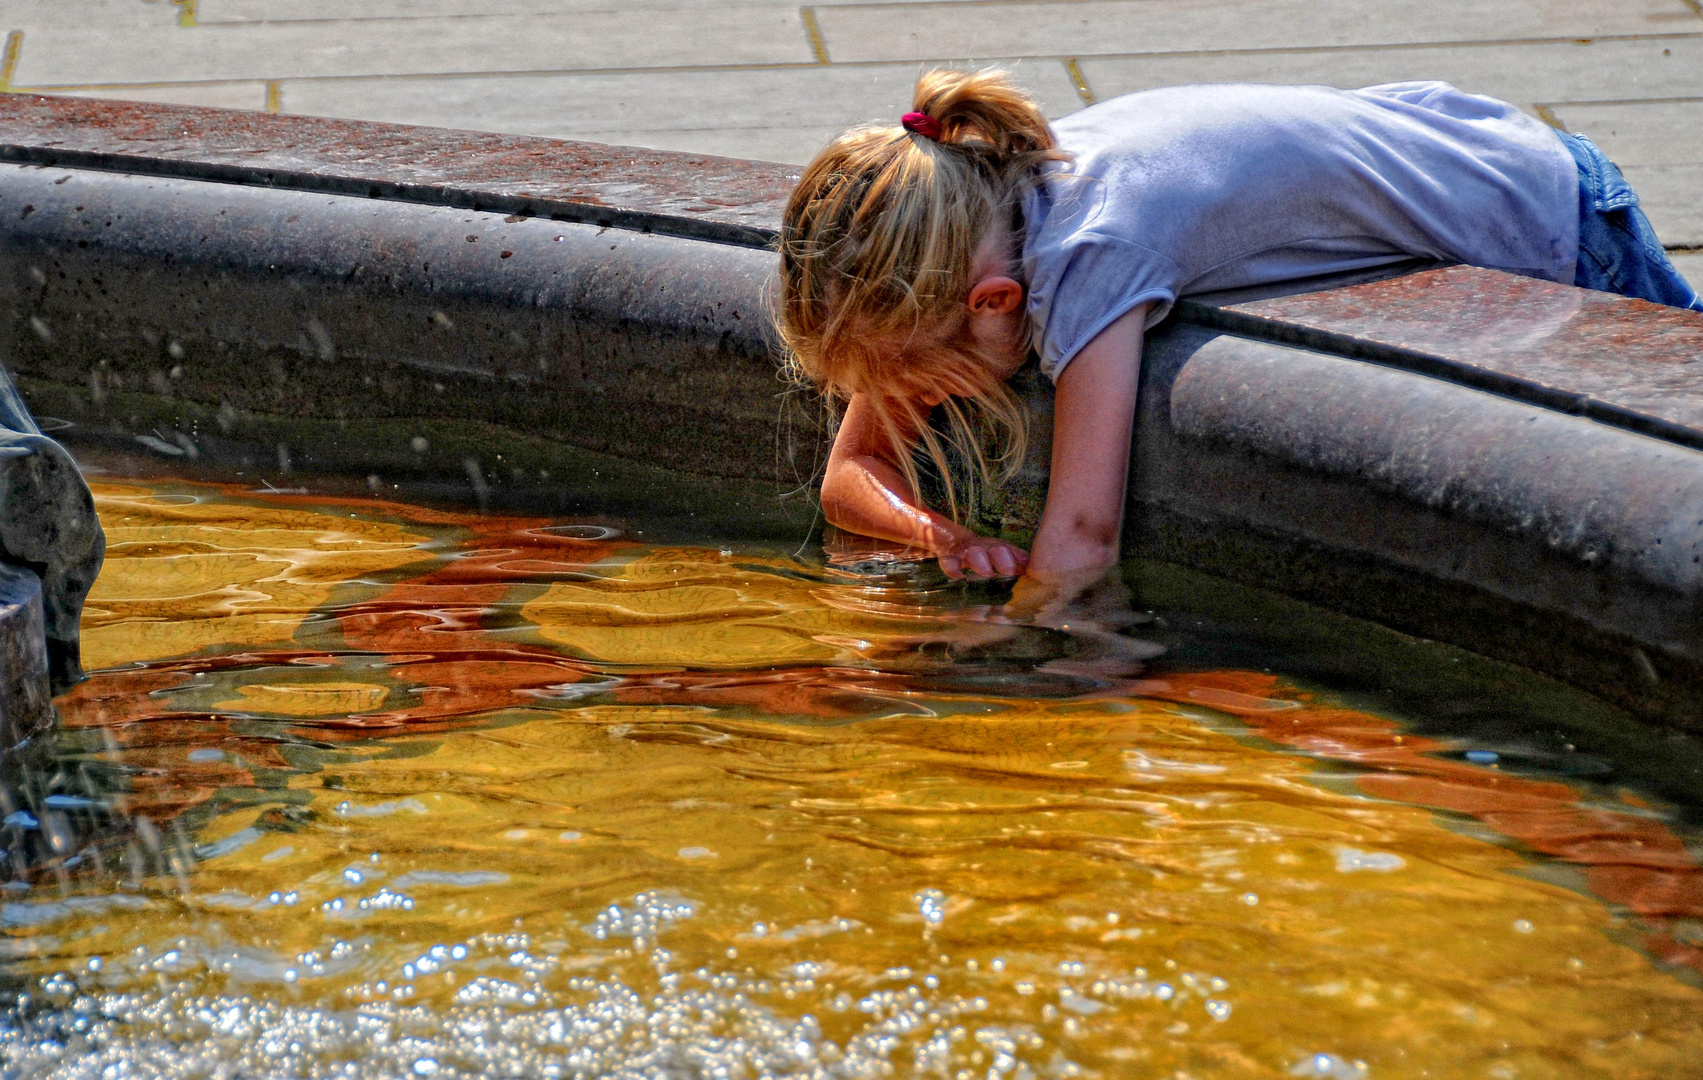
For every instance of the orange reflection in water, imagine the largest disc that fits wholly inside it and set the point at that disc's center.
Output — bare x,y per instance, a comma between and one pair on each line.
564,720
1629,859
444,639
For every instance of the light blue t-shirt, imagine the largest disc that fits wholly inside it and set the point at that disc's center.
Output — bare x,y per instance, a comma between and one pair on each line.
1191,189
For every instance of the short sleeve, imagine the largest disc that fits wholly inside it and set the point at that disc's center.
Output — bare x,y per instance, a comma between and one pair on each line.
1086,284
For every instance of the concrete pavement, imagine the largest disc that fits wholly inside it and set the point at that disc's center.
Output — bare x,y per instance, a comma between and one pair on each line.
771,79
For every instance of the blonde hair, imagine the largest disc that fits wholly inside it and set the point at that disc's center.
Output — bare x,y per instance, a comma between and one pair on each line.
876,249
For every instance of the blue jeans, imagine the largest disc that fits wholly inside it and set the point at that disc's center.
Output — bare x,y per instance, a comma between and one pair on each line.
1618,250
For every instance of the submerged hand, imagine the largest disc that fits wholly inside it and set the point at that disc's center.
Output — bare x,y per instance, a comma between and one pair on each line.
983,557
1049,599
1091,606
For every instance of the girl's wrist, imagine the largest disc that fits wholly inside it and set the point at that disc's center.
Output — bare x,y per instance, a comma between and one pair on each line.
1070,557
949,536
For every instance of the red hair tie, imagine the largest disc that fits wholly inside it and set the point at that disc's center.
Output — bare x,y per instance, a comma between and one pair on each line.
923,124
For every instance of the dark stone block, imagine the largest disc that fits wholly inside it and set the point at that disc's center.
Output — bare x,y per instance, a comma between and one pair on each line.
47,526
26,702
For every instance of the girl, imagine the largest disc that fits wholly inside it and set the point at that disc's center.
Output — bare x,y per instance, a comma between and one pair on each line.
920,263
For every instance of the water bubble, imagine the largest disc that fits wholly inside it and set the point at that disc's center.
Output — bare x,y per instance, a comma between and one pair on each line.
932,904
1218,1010
425,1067
1250,899
1522,926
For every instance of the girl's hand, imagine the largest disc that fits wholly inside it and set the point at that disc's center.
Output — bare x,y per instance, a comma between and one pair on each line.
983,557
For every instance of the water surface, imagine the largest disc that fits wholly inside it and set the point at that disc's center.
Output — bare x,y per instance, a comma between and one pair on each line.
363,789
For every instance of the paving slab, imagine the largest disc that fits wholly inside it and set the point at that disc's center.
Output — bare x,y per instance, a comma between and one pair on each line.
1037,28
1659,146
472,44
1529,74
217,11
776,115
1689,264
111,14
215,95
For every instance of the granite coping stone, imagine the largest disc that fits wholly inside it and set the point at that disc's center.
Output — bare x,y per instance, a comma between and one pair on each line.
1623,362
699,196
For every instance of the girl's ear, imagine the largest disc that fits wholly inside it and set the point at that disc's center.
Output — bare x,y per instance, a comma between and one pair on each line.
995,295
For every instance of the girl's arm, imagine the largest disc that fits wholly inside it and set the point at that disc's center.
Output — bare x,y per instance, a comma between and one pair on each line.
1093,425
864,492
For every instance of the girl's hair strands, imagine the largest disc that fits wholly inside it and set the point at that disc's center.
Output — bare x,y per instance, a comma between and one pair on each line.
876,250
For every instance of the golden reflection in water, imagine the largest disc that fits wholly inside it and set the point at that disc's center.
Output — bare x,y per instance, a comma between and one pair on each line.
518,802
185,574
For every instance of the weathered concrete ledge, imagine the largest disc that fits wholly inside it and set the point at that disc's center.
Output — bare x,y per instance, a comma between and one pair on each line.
1509,465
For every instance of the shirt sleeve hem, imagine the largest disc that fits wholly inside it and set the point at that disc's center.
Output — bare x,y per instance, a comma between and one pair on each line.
1117,311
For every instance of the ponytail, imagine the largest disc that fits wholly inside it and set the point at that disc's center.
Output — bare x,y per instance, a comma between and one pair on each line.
985,109
876,249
